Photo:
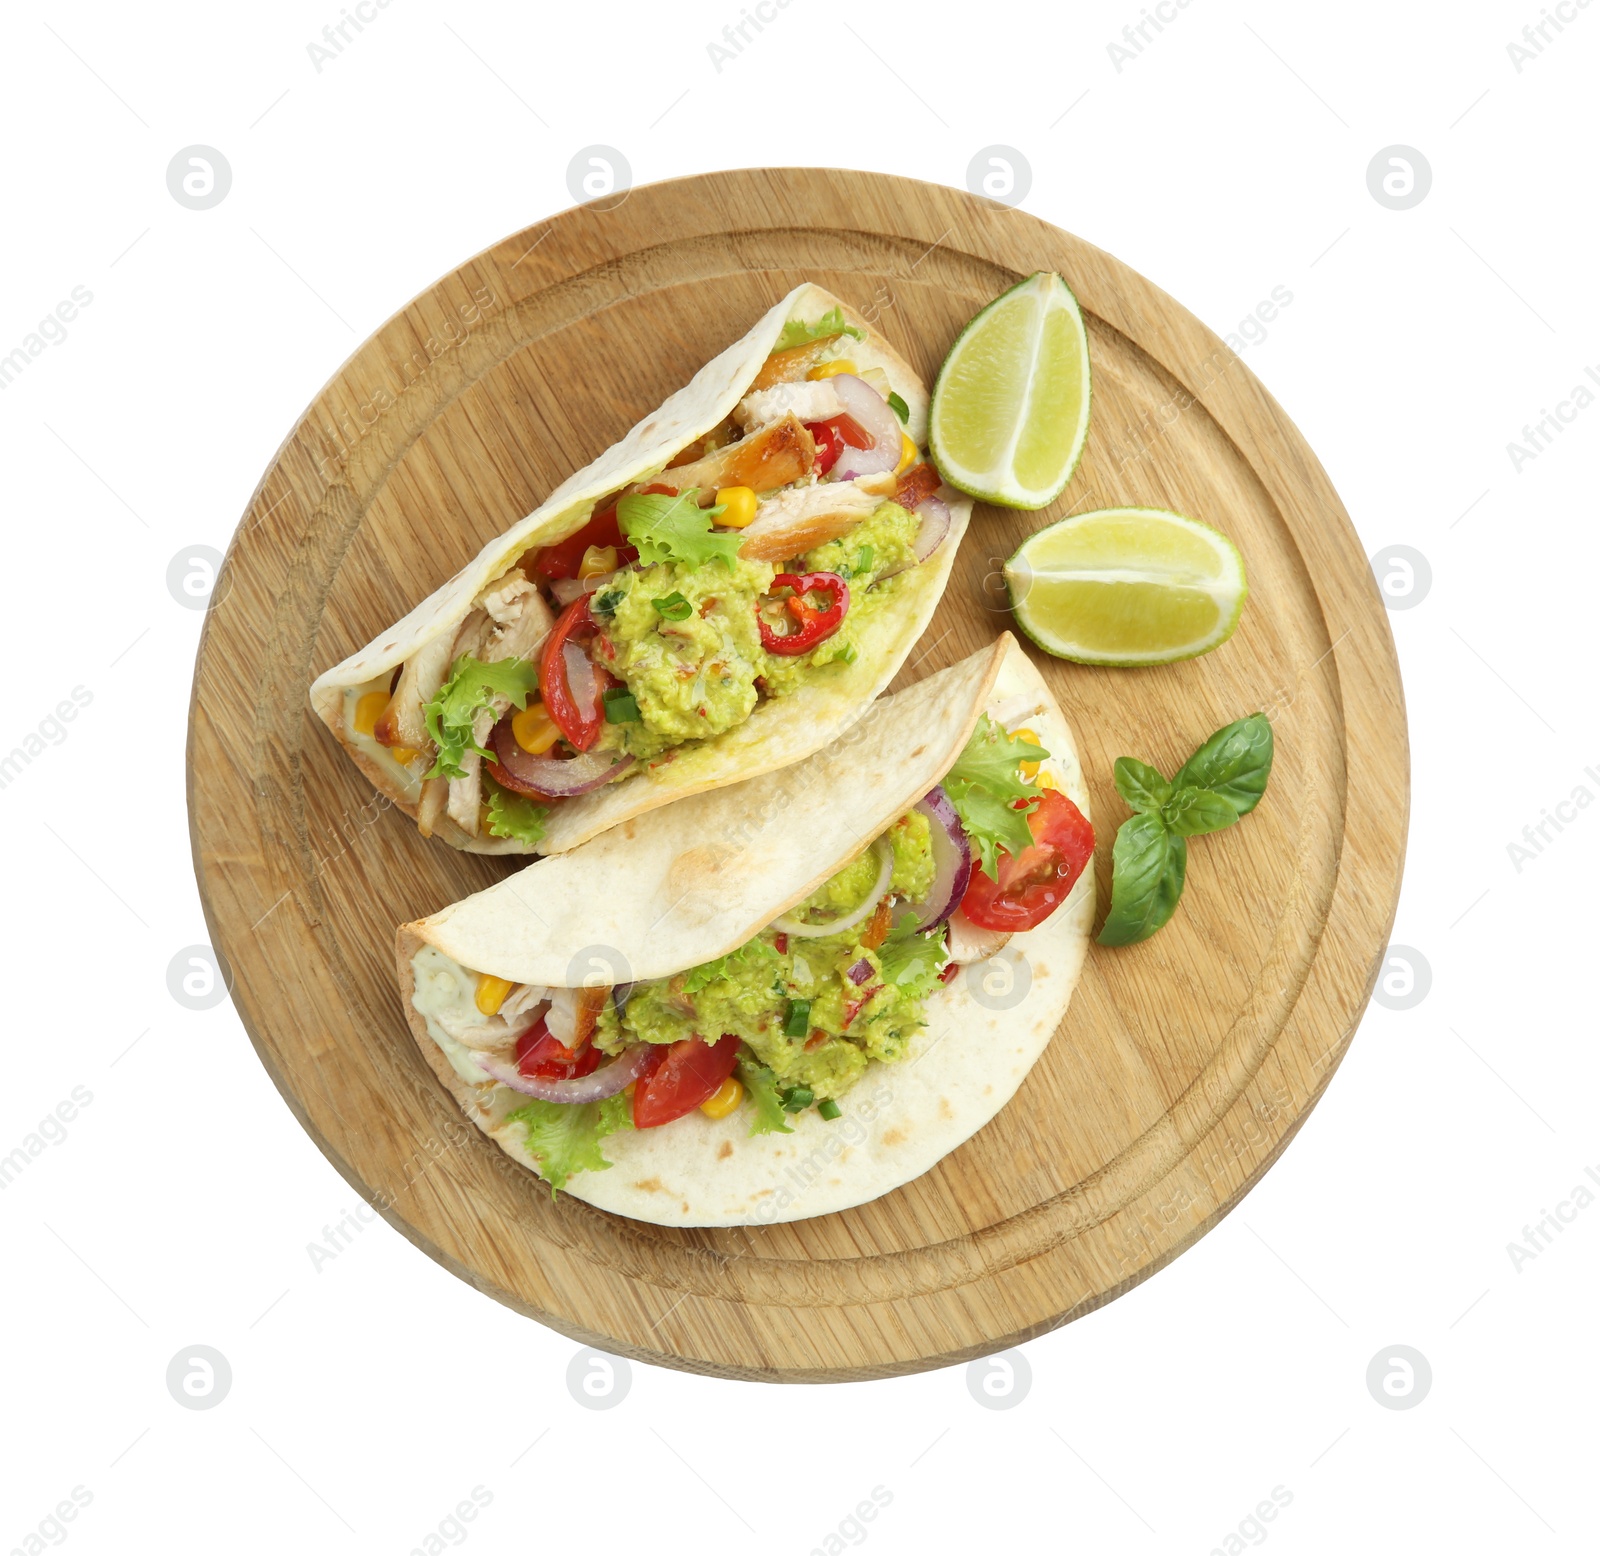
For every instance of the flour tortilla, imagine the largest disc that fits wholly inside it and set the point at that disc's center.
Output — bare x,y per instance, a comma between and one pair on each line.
780,731
763,853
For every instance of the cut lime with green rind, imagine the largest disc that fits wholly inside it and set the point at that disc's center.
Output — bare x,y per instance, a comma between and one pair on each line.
1126,587
1010,411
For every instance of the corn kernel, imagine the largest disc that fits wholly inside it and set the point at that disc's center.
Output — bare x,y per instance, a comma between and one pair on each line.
404,755
533,728
369,710
597,562
724,1099
738,506
828,369
1029,770
491,993
908,453
1047,781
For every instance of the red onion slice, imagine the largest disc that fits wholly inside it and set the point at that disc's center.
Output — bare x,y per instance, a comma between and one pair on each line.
566,590
552,777
607,1081
872,413
931,532
859,972
952,860
792,926
582,681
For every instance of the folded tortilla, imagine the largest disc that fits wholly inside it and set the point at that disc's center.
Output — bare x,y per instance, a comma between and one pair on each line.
698,880
780,730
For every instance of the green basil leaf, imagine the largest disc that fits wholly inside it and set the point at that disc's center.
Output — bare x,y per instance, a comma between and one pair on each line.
1147,865
1235,763
1141,786
1191,812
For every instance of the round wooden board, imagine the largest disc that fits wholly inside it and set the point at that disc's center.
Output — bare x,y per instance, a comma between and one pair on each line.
1184,1065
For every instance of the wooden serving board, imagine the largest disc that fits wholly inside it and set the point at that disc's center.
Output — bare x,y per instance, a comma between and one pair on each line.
1184,1065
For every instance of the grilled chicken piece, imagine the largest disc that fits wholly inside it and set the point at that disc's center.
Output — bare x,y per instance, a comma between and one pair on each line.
784,367
765,460
719,437
401,723
573,1013
435,791
966,942
794,521
804,400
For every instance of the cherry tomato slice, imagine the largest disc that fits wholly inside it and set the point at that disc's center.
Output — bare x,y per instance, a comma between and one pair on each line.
1034,883
540,1054
579,726
563,559
681,1076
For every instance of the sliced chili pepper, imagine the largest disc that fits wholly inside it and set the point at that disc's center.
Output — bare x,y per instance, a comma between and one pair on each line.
832,435
563,559
813,625
580,727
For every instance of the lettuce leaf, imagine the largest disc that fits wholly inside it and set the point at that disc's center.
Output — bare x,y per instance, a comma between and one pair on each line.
762,1086
564,1138
912,961
472,686
982,786
514,815
798,333
723,967
674,529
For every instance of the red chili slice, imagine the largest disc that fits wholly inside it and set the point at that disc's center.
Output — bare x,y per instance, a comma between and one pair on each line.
813,625
832,435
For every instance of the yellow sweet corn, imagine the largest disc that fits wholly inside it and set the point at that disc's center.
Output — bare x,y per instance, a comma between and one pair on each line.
404,755
828,369
597,562
739,506
369,710
1046,780
724,1099
1029,770
492,993
533,728
908,453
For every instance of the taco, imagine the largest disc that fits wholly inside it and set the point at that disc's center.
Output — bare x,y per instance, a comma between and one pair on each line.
712,598
791,996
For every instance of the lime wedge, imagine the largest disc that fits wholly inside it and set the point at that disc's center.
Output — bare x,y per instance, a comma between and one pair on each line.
1127,586
1010,410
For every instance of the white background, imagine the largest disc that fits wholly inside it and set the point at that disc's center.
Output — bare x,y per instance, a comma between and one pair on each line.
1227,158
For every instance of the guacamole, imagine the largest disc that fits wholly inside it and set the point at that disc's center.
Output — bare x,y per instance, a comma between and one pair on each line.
698,671
778,982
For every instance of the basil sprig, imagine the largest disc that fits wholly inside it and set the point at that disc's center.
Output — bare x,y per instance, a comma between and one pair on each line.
1221,782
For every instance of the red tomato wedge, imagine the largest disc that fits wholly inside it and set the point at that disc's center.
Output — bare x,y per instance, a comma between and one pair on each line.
831,435
539,1053
1034,883
563,559
680,1077
578,718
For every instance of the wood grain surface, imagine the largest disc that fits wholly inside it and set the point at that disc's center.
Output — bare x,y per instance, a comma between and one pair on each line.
1185,1064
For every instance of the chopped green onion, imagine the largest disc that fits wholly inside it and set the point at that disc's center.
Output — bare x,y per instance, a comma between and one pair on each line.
846,655
798,1021
674,607
621,705
606,601
899,406
796,1099
863,560
828,1108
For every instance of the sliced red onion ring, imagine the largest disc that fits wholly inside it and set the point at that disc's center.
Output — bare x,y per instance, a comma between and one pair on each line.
935,526
952,860
582,680
552,777
871,411
566,590
607,1081
859,972
791,926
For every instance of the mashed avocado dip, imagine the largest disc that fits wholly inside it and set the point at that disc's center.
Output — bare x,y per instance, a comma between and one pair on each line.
686,642
791,999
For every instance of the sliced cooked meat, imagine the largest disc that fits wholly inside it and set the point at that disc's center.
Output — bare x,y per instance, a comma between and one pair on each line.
435,791
805,400
794,521
402,723
966,942
783,367
765,460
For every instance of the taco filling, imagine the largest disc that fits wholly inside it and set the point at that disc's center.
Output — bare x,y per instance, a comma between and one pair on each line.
744,570
790,1020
